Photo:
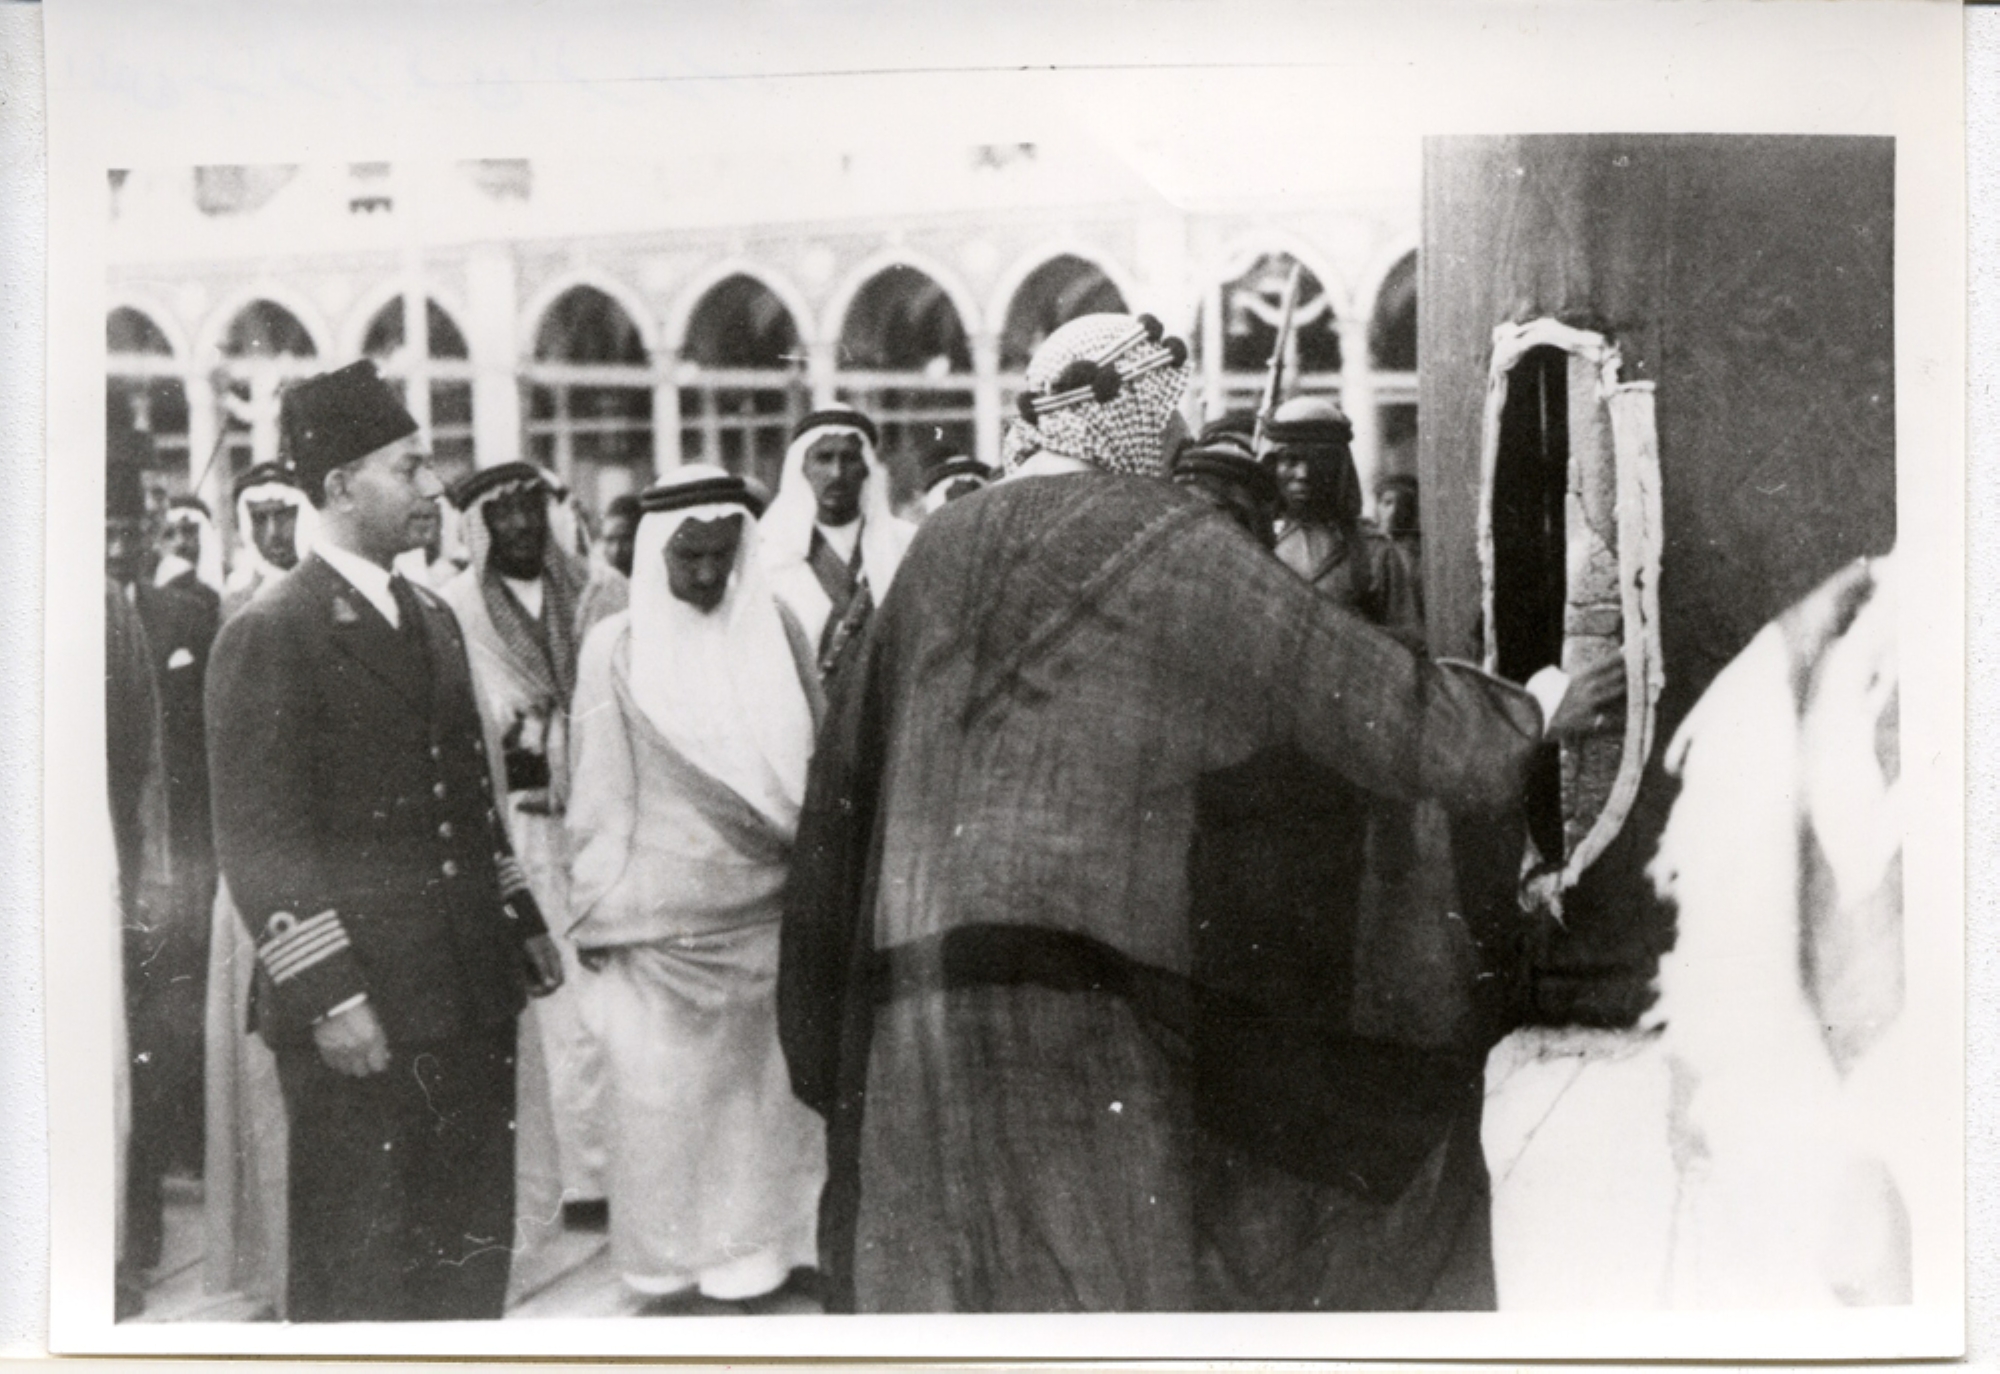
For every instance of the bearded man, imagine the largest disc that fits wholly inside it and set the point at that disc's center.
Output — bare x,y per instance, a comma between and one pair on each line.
1055,1075
519,603
831,543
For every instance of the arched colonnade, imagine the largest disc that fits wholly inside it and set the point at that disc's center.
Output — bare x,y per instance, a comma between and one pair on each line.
589,379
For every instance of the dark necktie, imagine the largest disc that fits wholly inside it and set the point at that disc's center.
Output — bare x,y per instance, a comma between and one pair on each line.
411,631
408,612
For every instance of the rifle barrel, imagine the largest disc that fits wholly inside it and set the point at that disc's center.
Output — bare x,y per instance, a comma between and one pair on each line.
1274,372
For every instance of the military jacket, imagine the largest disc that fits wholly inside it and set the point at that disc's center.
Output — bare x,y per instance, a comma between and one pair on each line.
354,815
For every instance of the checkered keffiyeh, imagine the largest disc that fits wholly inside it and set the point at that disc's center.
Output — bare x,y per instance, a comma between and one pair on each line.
1119,435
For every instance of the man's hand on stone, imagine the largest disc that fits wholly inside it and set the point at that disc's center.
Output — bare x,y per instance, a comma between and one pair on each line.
352,1043
1593,703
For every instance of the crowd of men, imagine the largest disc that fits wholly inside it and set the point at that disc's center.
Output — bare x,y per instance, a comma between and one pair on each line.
938,915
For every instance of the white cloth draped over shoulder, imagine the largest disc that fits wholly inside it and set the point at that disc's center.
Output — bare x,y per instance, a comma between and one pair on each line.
786,532
713,703
692,736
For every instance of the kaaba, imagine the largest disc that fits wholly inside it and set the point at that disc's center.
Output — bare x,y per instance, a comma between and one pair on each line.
1657,379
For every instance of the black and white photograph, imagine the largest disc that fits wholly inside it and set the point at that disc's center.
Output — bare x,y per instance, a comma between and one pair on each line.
1233,691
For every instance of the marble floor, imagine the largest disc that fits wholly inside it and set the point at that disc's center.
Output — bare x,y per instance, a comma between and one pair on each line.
1575,1138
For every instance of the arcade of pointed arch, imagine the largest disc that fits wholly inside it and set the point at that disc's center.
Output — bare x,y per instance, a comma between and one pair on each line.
983,277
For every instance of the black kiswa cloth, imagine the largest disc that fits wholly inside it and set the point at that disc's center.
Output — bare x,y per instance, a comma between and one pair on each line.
1300,1094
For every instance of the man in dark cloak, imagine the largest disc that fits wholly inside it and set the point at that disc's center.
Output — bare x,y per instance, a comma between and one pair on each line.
1065,1065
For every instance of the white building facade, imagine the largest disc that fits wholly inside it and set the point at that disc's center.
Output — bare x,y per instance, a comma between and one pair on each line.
611,321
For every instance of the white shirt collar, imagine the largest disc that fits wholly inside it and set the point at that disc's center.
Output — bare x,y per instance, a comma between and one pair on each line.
528,593
841,538
365,577
171,565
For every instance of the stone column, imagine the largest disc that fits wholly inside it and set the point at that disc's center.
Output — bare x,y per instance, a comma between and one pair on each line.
263,411
1357,398
202,433
667,419
1211,351
986,398
491,340
822,361
417,345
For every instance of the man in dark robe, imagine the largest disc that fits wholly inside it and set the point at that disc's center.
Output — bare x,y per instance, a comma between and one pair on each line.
1061,1069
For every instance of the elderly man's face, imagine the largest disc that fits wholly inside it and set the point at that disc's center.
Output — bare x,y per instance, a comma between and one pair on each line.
836,467
518,520
274,529
700,556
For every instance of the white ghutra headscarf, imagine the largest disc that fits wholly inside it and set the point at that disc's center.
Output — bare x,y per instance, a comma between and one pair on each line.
252,568
208,547
787,528
722,686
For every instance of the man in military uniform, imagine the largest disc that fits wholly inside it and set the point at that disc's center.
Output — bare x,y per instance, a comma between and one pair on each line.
396,936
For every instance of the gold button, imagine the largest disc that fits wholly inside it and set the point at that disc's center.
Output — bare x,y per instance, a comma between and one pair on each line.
449,868
444,830
437,790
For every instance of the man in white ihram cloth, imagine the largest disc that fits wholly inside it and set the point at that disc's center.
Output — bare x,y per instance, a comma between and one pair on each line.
831,544
693,723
